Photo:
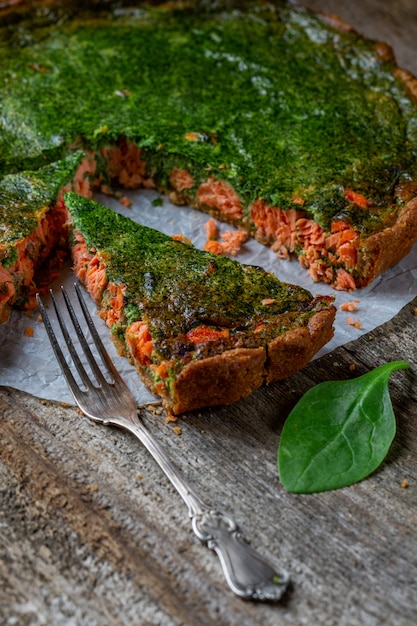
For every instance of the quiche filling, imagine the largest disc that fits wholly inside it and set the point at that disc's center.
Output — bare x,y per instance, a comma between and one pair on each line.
33,230
269,117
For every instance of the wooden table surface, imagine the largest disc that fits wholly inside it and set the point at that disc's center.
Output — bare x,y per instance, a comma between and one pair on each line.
91,533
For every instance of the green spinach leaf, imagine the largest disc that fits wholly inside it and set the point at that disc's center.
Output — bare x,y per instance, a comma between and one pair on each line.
338,433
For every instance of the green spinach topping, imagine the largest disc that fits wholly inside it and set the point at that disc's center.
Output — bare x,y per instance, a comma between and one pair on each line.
281,104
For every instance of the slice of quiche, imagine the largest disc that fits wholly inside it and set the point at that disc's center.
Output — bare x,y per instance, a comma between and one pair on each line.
202,330
33,229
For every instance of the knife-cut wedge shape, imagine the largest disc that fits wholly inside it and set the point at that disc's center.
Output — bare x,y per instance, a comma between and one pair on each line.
202,330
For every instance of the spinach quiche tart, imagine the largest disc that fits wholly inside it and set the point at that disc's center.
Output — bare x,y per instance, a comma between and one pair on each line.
202,330
283,122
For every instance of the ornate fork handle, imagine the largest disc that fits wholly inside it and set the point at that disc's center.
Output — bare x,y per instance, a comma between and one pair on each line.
248,573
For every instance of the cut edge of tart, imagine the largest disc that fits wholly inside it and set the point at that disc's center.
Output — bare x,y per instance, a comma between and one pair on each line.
33,231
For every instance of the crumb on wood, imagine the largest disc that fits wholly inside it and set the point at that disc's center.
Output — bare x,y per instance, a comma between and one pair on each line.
177,430
155,409
404,483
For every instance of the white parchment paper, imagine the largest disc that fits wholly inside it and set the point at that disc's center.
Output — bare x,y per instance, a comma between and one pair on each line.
28,363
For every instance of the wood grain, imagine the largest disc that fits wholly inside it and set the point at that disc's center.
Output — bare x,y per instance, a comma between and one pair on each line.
92,534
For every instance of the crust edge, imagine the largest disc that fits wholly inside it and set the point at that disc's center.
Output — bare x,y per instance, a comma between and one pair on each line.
226,378
384,249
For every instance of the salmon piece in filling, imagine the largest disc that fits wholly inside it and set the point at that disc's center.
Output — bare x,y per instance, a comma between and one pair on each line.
219,195
17,281
327,257
125,165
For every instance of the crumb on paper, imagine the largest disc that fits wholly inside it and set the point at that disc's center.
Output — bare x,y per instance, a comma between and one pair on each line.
107,190
215,247
125,201
356,323
231,240
182,238
349,306
29,331
404,483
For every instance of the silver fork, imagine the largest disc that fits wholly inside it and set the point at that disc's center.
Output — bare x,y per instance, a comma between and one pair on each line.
248,574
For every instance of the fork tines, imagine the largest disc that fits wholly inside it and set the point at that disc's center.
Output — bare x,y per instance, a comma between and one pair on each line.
66,370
